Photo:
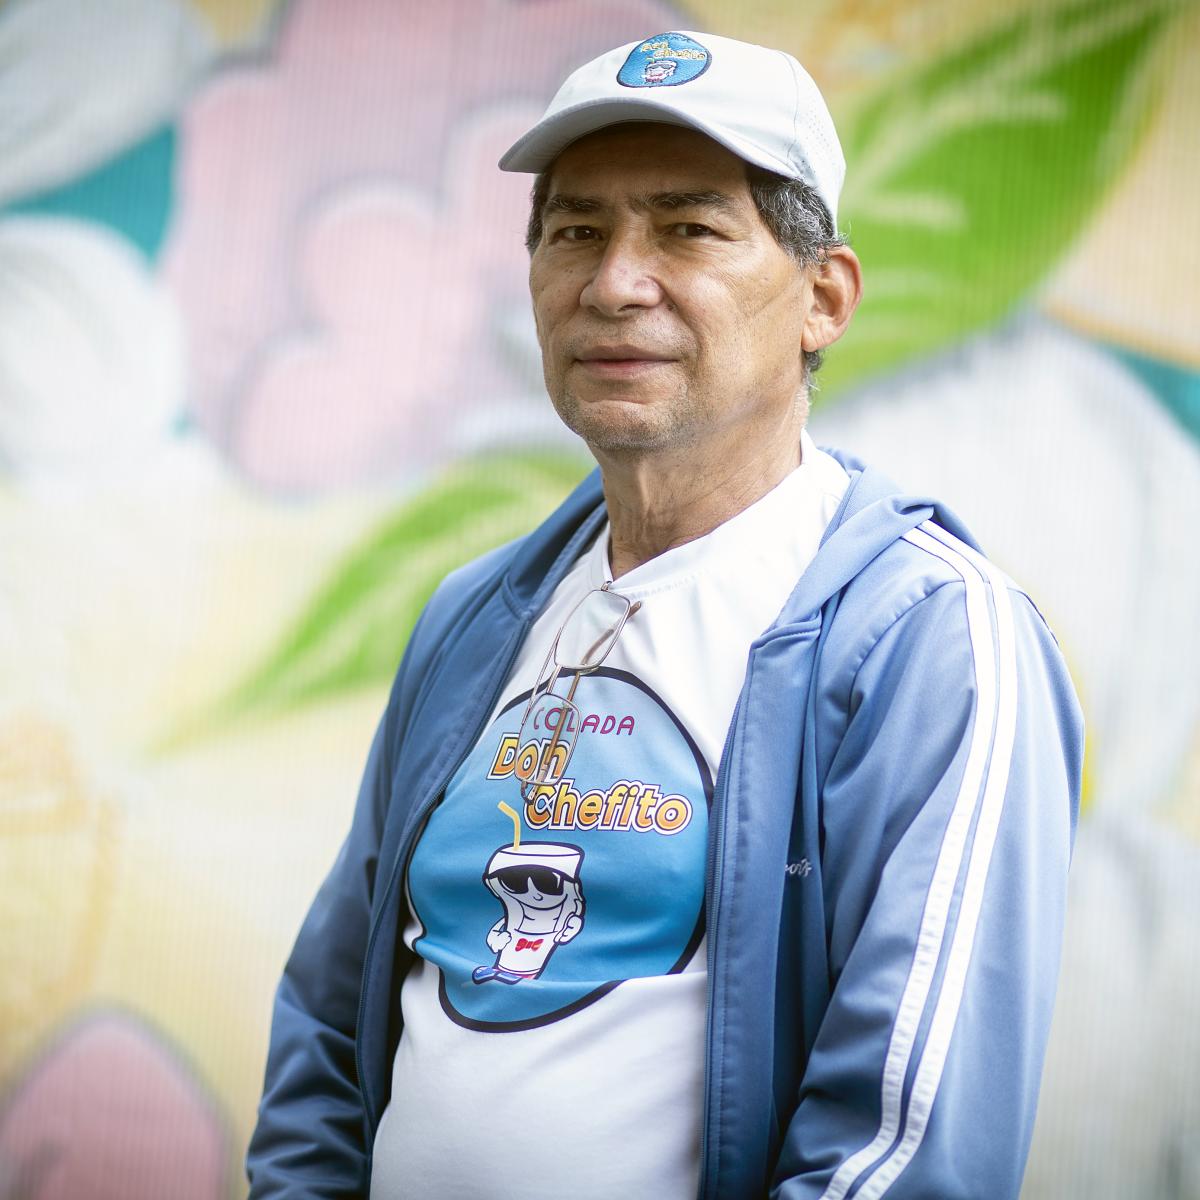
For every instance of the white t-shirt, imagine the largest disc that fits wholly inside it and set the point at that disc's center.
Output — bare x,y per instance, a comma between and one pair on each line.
554,1022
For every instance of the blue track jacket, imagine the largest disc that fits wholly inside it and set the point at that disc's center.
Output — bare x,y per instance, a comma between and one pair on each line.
899,789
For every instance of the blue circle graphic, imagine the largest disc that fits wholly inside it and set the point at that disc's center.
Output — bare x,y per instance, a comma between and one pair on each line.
604,883
664,60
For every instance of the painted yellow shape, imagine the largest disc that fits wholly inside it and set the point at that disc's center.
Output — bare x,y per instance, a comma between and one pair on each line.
222,850
1134,278
1184,811
58,854
848,44
235,22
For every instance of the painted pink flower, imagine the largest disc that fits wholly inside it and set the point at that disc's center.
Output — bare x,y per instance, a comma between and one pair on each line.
347,257
111,1114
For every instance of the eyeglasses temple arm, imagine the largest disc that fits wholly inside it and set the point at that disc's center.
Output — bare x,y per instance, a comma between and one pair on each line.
562,717
570,697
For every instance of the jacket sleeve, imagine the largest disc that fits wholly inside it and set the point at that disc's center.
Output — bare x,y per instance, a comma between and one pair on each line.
309,1140
948,812
309,1137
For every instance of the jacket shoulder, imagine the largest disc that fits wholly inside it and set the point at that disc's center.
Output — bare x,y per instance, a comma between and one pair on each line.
458,595
905,572
928,563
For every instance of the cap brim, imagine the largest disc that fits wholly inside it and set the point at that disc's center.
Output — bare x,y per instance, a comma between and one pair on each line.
538,148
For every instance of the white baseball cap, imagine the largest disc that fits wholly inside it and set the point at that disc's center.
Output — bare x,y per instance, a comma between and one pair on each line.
759,103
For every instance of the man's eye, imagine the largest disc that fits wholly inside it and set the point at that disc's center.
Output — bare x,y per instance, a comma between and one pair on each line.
691,229
577,233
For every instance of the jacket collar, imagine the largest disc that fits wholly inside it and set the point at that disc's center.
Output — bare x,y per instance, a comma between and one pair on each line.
874,513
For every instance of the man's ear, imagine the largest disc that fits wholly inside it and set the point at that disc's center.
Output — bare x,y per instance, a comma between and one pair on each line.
836,290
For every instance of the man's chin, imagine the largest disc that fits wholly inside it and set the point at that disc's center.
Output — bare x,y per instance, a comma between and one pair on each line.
624,426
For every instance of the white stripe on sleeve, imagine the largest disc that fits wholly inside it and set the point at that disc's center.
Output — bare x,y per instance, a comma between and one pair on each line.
994,662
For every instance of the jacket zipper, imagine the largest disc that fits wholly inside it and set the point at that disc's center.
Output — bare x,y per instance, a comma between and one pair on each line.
421,812
716,859
419,816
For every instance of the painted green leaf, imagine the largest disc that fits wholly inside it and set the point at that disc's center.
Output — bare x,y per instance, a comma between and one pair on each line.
968,180
351,633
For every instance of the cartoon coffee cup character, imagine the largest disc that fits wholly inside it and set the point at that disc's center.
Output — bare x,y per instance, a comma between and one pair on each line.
538,885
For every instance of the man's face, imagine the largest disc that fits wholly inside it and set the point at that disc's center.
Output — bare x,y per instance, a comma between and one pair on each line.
668,315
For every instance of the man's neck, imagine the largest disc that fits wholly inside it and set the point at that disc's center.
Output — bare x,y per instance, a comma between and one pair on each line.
664,500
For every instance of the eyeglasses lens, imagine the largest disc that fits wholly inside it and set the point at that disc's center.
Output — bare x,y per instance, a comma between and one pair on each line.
590,631
551,723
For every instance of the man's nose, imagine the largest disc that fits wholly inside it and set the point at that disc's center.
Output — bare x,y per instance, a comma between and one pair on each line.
624,278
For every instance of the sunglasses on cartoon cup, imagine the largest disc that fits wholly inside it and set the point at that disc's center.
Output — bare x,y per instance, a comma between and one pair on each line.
521,879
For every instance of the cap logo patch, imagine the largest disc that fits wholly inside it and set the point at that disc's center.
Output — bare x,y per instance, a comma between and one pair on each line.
664,60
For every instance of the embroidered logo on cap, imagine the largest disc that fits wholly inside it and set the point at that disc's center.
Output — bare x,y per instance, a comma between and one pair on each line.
664,61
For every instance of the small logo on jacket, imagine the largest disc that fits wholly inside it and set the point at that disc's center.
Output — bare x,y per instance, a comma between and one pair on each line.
801,867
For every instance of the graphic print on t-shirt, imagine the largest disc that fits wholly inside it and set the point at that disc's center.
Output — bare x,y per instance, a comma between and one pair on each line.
599,879
538,885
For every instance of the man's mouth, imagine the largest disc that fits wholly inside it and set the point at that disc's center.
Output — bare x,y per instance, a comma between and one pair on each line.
619,361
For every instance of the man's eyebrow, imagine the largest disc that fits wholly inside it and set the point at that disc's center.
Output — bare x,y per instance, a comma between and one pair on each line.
663,201
559,203
676,200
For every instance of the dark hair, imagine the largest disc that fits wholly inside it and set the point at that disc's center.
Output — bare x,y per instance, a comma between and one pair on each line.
790,209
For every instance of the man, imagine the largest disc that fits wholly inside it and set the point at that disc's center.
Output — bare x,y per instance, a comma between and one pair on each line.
714,840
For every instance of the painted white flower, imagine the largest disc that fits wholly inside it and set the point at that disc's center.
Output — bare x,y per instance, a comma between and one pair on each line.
1120,1108
1078,483
91,360
83,81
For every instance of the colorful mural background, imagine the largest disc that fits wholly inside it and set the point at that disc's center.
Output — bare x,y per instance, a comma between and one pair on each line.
266,373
